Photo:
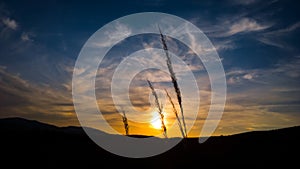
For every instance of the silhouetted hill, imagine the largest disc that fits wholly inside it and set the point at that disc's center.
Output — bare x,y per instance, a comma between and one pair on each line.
31,144
20,124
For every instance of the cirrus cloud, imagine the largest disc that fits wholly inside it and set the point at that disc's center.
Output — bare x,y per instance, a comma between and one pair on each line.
10,23
246,25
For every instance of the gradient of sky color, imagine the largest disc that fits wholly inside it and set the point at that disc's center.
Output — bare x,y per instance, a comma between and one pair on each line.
256,40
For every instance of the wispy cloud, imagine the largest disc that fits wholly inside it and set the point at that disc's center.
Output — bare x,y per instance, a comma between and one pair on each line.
262,99
26,36
230,25
224,45
118,31
288,70
274,38
226,30
10,23
290,28
42,102
261,86
241,76
245,25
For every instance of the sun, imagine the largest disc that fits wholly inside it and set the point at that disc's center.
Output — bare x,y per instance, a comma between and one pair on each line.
155,121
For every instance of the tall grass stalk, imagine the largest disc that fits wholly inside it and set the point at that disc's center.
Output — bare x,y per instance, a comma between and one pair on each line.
176,114
125,122
159,107
173,77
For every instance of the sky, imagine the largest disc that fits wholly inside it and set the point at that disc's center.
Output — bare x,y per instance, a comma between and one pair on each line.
256,40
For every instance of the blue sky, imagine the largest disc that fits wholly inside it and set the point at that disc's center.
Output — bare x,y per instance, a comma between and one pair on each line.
256,40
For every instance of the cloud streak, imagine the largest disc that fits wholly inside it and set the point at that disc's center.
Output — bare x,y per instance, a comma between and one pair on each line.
41,102
245,25
26,37
10,23
274,38
119,31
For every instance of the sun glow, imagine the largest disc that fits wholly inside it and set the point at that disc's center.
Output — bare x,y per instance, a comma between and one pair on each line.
156,121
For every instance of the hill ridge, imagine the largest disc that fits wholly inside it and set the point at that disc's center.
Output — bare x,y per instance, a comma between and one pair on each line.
62,147
18,121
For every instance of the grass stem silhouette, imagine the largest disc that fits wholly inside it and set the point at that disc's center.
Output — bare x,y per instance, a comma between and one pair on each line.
176,114
159,107
173,77
125,122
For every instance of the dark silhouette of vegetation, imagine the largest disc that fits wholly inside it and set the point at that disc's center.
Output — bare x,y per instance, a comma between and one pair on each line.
176,114
125,122
173,77
159,107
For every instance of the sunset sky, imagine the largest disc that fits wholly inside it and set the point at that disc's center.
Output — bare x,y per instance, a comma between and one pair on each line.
257,41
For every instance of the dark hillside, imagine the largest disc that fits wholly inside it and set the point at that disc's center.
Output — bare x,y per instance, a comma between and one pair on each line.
31,144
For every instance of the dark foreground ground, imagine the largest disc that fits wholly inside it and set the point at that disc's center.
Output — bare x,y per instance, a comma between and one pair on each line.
30,144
